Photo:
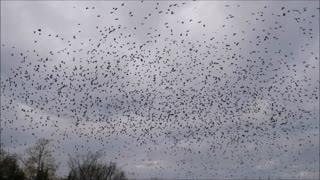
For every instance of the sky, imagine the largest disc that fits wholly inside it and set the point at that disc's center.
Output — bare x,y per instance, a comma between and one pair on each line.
169,90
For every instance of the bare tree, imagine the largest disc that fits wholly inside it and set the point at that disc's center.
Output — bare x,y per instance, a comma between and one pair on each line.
88,167
39,163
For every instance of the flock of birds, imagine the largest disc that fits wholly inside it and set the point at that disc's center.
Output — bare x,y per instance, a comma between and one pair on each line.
187,90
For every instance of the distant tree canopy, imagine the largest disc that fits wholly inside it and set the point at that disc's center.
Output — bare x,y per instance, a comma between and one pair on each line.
88,167
9,167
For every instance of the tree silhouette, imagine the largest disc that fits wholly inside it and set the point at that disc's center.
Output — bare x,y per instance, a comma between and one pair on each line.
9,167
39,163
88,167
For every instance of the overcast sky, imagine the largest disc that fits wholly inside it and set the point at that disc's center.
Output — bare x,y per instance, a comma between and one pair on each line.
207,89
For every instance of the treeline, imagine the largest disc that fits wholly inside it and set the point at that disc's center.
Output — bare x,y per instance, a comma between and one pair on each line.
38,164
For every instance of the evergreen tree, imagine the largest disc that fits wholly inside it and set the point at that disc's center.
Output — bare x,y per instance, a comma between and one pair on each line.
9,167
